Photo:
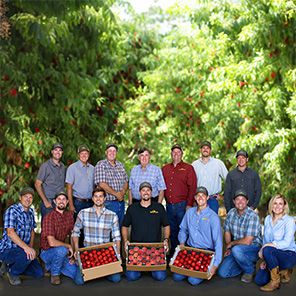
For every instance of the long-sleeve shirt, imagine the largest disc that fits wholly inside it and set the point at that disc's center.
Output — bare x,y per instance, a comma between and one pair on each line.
280,234
97,228
202,230
210,174
181,183
248,180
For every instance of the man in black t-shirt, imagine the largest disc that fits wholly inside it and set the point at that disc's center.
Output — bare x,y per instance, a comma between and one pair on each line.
146,219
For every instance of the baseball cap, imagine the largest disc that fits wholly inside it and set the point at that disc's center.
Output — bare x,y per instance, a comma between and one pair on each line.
57,145
145,184
240,193
61,193
27,190
83,148
111,145
242,152
202,189
206,143
176,146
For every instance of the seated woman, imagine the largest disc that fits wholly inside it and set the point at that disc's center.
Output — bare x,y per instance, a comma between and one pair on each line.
279,248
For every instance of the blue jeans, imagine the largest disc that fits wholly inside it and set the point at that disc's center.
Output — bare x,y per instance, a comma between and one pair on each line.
57,262
192,280
175,214
116,207
158,275
242,259
273,258
45,210
80,205
18,264
213,204
114,278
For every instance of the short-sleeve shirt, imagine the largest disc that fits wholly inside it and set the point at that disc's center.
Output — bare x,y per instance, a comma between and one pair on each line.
52,177
56,224
23,222
145,223
248,224
115,176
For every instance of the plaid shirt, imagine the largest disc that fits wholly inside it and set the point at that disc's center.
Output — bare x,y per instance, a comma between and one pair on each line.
97,228
248,224
57,225
21,221
151,174
114,176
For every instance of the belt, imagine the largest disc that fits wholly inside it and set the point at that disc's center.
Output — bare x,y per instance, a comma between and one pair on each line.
83,199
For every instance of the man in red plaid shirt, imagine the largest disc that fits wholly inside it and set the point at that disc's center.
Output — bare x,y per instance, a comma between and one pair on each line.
55,252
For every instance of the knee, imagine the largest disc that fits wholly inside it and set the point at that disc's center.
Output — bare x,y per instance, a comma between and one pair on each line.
267,251
159,275
133,276
178,277
237,251
194,281
61,252
115,278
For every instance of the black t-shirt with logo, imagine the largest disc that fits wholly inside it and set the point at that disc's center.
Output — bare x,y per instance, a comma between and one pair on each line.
146,223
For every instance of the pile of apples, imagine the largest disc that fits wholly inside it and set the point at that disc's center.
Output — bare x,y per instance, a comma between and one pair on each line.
193,260
146,256
97,257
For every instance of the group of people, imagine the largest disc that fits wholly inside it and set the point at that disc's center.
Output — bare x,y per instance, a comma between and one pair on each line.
92,211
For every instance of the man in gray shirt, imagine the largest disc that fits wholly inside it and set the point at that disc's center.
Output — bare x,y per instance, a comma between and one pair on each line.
51,179
210,172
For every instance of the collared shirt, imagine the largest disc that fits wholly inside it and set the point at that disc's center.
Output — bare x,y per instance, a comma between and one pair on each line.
115,176
56,224
248,180
210,174
97,228
280,234
23,222
180,181
81,177
248,224
52,177
202,230
151,174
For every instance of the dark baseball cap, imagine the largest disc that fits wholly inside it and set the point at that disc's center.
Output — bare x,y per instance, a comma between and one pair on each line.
240,193
27,190
83,148
57,145
202,189
61,193
206,143
145,184
111,145
242,152
176,146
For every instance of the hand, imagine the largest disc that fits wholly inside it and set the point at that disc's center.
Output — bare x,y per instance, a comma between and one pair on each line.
212,271
227,252
228,246
71,252
263,265
182,245
166,245
126,244
48,205
31,253
120,195
75,255
260,254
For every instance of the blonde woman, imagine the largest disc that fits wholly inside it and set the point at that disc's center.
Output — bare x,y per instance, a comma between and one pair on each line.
279,250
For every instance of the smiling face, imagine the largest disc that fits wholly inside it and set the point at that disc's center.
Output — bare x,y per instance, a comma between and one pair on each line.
201,199
205,151
111,153
144,158
176,155
240,203
98,199
26,201
61,202
83,156
278,206
145,193
242,161
57,153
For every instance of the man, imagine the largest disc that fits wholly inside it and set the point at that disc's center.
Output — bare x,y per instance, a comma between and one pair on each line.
200,228
98,224
242,178
55,252
180,180
146,219
146,172
51,179
80,182
210,172
242,233
16,247
112,177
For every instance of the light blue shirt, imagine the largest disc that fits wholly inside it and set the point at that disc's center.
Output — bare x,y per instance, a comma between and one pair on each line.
203,231
151,174
81,177
210,174
281,234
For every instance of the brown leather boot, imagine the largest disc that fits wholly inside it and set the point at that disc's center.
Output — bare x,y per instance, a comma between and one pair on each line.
286,275
55,280
275,281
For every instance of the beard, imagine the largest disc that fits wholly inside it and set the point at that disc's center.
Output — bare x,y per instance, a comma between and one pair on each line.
61,207
146,197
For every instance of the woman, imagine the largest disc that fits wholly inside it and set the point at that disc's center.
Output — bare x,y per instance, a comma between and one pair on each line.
279,249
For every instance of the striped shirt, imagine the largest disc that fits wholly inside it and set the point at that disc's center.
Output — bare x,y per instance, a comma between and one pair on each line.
97,228
151,174
248,224
23,222
115,176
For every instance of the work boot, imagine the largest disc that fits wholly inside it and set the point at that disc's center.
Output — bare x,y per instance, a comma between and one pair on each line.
3,268
55,280
247,278
286,275
275,281
14,280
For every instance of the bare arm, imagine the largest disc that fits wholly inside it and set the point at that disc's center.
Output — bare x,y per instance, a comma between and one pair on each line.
69,188
160,196
166,234
56,243
130,197
40,191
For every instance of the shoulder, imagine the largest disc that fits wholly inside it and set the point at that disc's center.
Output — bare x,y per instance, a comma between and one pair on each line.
195,163
111,213
101,163
73,166
135,169
166,166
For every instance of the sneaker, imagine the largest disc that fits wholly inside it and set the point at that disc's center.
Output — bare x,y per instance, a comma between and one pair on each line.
247,278
3,268
14,279
55,280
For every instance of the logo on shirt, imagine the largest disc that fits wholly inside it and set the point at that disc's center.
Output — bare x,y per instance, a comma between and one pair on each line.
153,212
182,169
205,218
